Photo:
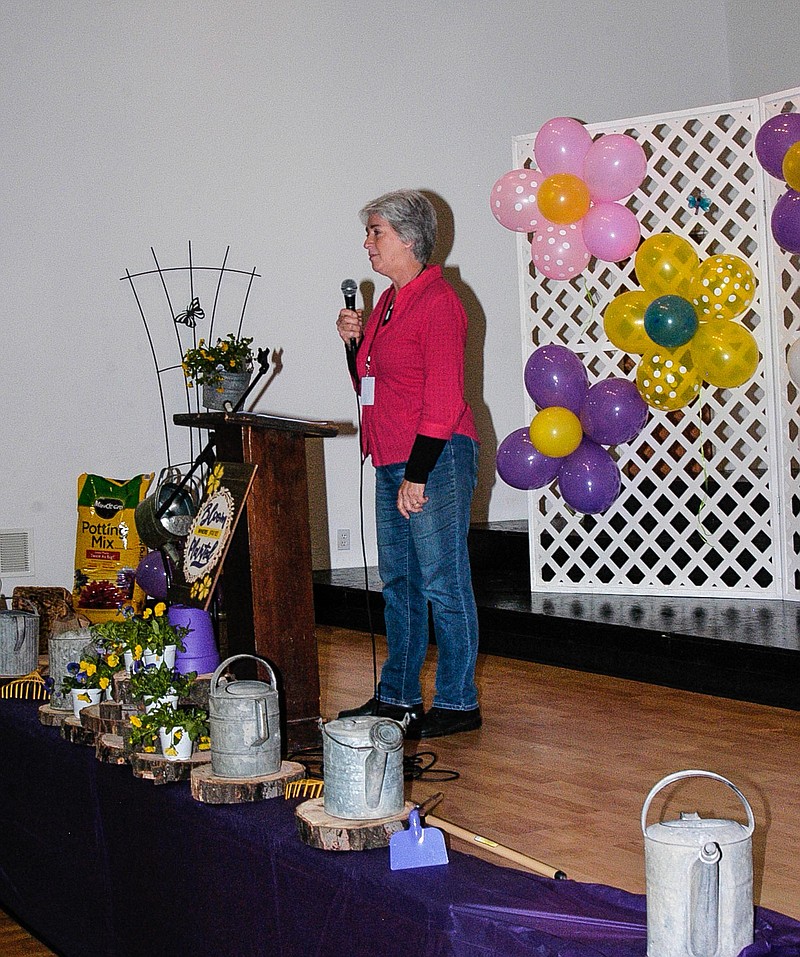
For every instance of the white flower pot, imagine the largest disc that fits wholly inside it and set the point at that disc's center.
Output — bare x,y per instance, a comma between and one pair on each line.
83,698
176,745
153,704
152,658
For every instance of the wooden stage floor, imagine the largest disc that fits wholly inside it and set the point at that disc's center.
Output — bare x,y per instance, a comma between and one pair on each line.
565,759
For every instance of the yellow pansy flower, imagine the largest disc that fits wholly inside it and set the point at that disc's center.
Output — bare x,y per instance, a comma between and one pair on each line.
160,609
147,613
104,683
89,667
136,721
113,660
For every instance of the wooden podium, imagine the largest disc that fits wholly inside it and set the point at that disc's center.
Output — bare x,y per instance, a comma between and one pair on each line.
267,585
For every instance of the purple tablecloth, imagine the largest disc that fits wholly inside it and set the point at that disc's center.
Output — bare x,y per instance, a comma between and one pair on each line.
100,864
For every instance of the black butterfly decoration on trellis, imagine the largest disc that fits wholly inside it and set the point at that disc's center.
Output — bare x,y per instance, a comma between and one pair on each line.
193,313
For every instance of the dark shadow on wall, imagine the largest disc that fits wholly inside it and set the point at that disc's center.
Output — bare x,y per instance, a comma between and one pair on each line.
474,359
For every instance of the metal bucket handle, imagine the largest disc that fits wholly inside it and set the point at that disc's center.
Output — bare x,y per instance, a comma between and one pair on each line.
261,709
680,775
18,620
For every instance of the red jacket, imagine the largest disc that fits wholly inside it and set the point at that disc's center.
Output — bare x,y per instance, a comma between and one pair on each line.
417,359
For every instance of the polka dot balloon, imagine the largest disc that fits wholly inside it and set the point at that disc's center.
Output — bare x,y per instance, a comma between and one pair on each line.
668,379
559,252
722,287
513,200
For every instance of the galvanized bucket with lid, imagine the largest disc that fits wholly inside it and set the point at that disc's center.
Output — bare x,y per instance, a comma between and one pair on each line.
699,874
244,724
363,761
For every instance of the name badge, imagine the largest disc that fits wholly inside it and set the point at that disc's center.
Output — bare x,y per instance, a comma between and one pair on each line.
368,390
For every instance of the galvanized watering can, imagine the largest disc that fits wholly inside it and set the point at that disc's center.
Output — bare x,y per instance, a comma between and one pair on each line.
244,725
363,761
157,529
19,641
699,874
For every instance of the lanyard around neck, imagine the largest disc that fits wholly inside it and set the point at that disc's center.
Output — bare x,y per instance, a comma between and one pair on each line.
387,315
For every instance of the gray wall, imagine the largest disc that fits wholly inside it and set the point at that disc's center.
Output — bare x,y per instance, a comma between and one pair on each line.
266,126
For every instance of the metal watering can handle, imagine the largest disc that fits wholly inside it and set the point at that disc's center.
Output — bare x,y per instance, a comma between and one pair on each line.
20,621
216,676
680,775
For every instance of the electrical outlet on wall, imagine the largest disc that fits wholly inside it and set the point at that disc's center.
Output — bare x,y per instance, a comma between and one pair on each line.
343,539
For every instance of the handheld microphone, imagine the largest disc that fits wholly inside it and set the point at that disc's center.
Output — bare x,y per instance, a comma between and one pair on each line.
349,290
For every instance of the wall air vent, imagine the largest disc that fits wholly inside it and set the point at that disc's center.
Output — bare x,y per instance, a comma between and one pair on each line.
16,552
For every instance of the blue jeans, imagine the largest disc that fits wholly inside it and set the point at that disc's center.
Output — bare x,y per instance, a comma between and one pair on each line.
424,559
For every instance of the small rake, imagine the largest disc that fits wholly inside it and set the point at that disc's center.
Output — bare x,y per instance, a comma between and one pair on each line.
30,686
305,787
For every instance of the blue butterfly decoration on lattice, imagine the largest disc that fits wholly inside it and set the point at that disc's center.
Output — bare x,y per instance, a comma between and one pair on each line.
698,201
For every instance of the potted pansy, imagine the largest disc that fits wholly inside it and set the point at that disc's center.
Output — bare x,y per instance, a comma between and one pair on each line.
87,680
223,370
180,729
142,733
159,684
149,637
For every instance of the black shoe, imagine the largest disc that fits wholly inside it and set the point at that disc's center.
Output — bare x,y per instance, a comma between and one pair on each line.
397,712
439,722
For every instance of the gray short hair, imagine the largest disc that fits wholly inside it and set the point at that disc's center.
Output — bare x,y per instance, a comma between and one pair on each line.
411,215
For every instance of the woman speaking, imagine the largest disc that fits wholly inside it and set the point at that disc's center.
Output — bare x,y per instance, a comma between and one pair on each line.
419,431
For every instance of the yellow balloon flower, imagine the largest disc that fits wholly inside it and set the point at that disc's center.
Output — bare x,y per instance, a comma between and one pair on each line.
668,379
725,353
555,431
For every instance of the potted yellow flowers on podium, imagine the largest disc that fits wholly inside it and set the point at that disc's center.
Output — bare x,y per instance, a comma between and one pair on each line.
223,370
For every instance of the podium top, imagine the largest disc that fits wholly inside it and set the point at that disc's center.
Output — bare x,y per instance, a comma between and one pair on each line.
213,421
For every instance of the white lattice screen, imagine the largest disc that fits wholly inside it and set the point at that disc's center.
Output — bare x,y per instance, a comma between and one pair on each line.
708,503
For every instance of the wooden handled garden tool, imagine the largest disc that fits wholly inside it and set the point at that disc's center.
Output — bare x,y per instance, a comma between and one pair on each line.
508,853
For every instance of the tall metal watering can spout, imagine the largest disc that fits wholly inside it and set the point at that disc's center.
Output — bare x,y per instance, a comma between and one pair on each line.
384,736
704,902
699,874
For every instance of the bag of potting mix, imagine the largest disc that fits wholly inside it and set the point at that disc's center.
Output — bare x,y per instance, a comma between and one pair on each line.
107,548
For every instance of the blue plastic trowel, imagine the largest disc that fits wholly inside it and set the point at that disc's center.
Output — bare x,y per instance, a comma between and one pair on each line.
418,846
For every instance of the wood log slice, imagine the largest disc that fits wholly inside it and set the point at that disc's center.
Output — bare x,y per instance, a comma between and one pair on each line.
108,717
72,730
156,768
110,749
53,717
208,788
328,833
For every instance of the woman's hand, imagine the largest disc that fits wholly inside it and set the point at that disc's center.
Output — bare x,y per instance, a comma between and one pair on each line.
348,325
410,498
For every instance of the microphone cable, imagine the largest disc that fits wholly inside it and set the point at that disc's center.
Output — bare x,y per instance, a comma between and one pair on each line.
370,623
